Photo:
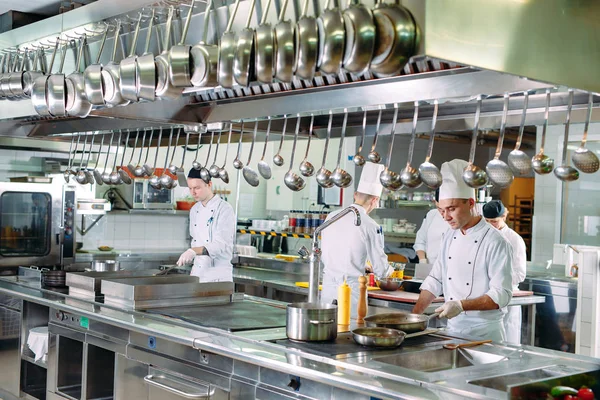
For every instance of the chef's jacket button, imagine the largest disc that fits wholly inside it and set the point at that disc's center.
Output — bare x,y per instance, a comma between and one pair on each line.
449,278
194,224
467,283
451,298
476,241
207,241
450,258
454,237
212,210
469,262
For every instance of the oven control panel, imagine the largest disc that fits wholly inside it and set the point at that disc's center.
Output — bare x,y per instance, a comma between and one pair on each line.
69,319
69,224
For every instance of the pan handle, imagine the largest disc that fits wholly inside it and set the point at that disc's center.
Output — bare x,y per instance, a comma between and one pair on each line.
434,315
317,322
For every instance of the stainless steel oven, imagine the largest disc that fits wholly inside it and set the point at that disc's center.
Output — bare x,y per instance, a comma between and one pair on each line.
141,195
37,223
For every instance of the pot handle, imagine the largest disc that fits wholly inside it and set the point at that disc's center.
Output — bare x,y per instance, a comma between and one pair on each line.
317,322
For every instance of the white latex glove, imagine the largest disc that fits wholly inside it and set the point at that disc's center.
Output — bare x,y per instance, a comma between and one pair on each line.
423,261
186,258
450,309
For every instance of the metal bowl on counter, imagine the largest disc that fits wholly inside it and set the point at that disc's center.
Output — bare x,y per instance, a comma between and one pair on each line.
310,322
389,284
104,265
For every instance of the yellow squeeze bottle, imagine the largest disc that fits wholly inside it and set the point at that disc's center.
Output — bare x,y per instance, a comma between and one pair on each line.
344,292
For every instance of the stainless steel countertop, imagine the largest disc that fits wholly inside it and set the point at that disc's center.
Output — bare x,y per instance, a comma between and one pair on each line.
365,372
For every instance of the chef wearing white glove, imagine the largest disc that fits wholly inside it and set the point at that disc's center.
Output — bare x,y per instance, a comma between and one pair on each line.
473,268
495,214
346,247
212,228
429,236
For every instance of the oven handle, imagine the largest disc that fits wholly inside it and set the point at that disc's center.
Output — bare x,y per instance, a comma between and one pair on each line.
150,379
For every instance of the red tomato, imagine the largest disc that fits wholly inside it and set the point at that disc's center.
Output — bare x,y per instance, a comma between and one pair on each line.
569,397
585,394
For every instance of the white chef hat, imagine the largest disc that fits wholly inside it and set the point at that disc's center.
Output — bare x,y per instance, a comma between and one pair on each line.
453,185
369,179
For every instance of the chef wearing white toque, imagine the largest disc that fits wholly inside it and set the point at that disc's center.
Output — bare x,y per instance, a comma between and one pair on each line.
347,247
473,269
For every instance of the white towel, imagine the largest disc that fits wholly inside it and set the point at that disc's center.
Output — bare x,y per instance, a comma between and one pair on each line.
38,341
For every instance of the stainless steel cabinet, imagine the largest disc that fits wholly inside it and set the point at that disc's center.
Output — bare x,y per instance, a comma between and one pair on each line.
10,356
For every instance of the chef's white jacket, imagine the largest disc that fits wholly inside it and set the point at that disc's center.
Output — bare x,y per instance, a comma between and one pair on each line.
512,317
213,227
345,250
429,235
471,265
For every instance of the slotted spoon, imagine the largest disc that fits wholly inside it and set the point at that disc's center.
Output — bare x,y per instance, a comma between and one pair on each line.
518,161
498,171
584,159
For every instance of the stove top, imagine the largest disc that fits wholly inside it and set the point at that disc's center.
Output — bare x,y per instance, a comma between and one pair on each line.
344,344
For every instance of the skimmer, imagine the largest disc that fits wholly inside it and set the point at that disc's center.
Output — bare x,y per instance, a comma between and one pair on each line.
584,159
474,176
518,161
498,171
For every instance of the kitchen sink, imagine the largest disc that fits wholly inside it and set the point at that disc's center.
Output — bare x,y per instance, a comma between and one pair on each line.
440,359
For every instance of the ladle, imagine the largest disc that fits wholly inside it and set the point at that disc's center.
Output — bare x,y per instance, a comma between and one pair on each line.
292,180
264,169
541,163
214,168
250,174
148,170
139,171
154,180
584,159
172,167
358,159
81,177
204,173
67,173
565,172
165,180
388,178
130,165
237,163
181,176
97,174
323,174
498,171
306,168
340,177
454,346
428,172
195,164
518,161
277,158
222,171
89,175
106,173
123,174
472,175
115,178
410,175
374,156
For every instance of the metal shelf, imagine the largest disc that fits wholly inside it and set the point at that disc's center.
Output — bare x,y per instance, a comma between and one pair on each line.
39,363
407,203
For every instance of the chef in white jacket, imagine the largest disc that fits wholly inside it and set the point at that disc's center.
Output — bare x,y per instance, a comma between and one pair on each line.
346,247
495,214
212,228
473,268
429,236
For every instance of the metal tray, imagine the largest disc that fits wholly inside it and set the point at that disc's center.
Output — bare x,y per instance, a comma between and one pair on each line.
92,281
162,287
31,179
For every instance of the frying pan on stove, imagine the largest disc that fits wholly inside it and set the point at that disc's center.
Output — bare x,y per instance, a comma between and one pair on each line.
406,322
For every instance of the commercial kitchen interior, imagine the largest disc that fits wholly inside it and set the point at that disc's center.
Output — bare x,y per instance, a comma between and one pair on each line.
70,330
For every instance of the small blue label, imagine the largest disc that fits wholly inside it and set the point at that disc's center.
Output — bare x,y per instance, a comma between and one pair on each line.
152,342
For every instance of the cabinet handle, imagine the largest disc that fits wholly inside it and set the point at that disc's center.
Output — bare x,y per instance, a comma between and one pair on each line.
150,379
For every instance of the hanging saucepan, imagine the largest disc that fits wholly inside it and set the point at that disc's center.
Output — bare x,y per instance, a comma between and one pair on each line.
3,72
244,59
180,63
15,82
56,90
164,88
146,69
77,103
111,76
92,77
36,71
396,40
5,81
331,40
264,48
285,47
38,89
128,70
307,45
360,37
227,52
205,56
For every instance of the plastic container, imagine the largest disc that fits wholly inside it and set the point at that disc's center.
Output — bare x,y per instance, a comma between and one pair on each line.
293,221
344,293
300,222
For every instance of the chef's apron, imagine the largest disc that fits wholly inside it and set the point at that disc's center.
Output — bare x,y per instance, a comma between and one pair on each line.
512,323
464,278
